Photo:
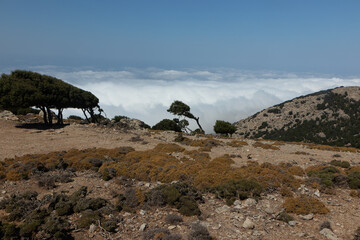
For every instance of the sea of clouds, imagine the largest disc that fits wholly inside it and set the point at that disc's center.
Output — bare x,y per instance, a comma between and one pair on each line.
215,94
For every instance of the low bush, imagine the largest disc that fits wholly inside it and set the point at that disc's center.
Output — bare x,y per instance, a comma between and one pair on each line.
354,180
199,232
167,125
157,233
265,146
239,189
74,117
325,224
342,164
285,217
87,218
179,195
326,174
117,118
173,219
304,205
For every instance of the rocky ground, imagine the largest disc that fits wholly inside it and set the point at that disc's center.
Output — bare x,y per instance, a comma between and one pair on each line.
253,218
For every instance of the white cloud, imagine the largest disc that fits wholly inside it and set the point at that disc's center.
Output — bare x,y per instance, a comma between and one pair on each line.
225,94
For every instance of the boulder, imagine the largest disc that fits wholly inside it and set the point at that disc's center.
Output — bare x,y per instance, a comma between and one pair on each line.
7,115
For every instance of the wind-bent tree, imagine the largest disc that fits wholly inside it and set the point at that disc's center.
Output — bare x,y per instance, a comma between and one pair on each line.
181,109
23,89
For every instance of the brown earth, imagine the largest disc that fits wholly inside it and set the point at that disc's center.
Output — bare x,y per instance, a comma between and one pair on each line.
223,222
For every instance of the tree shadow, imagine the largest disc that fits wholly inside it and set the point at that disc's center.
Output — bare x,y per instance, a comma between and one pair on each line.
41,126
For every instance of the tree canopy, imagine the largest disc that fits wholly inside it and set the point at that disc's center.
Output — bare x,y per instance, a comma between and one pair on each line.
23,89
181,109
223,127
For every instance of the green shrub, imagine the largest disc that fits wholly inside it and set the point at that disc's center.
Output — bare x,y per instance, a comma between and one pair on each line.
239,189
87,218
223,127
74,117
188,206
180,195
118,118
54,224
326,175
167,125
90,203
199,232
354,180
173,219
342,164
9,231
109,225
283,216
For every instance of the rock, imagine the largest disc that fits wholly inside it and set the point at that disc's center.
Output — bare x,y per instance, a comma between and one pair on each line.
147,185
307,217
237,202
328,234
92,228
222,209
248,224
250,202
270,210
317,193
171,227
3,191
107,184
142,227
142,212
7,115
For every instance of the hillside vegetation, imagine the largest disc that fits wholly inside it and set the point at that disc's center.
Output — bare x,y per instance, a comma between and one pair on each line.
330,117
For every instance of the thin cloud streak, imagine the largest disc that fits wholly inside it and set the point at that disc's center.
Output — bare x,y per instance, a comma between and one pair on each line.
225,94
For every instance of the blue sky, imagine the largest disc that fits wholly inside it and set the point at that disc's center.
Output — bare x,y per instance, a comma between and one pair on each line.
318,36
227,59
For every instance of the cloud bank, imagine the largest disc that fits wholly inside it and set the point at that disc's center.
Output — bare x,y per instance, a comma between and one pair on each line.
216,94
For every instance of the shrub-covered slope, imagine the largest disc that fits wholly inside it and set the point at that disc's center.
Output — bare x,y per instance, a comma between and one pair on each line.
329,117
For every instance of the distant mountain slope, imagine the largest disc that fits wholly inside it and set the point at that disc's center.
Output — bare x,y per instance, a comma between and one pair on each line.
327,117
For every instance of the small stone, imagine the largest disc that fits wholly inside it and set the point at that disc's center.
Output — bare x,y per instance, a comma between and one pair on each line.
248,224
142,227
92,228
293,223
317,193
307,217
171,227
216,227
3,192
270,210
328,234
142,212
259,233
107,184
147,185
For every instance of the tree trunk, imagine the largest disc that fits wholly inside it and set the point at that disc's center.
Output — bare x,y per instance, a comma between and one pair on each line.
44,114
60,117
198,123
49,115
87,119
92,115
